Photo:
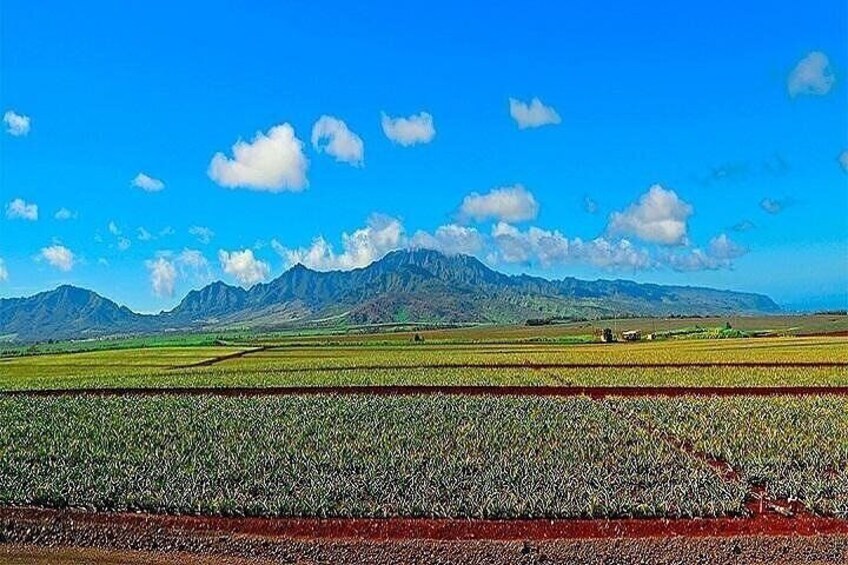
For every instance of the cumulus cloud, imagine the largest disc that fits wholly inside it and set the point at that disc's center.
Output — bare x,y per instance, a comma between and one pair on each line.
548,248
4,273
417,128
18,209
16,124
202,233
163,276
192,258
812,75
773,205
508,204
272,162
659,216
450,240
332,136
168,268
147,183
243,266
360,248
843,160
719,255
532,115
191,263
65,214
58,256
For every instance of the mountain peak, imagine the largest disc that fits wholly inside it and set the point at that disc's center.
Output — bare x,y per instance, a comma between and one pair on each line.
420,285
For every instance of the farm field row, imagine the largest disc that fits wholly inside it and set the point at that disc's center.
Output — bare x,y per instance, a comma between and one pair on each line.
681,352
339,456
417,456
219,377
795,448
782,325
653,364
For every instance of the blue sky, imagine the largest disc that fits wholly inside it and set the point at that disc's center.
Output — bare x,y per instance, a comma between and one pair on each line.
687,144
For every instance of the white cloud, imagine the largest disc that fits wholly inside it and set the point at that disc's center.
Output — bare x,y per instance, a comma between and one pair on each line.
203,234
65,214
16,124
843,160
4,273
417,128
147,183
450,240
812,75
124,243
58,256
532,115
659,216
508,204
243,266
719,255
332,136
192,258
18,209
360,248
144,235
192,263
723,248
547,248
163,276
272,162
167,269
113,228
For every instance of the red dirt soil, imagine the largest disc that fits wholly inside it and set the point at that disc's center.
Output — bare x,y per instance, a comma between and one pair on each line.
474,390
770,524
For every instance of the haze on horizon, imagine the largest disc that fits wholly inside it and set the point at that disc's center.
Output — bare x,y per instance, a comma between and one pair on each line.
148,150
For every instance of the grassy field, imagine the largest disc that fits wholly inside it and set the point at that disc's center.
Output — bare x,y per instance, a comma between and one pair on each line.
796,448
344,456
419,456
516,364
562,333
431,455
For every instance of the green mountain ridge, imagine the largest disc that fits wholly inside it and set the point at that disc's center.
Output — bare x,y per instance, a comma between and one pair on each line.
408,285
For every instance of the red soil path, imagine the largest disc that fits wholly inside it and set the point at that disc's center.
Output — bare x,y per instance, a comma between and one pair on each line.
448,529
474,390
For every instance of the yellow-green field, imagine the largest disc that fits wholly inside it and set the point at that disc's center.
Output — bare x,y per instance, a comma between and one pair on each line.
788,361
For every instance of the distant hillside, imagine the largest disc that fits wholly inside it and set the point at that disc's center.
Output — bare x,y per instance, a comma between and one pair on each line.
68,312
409,285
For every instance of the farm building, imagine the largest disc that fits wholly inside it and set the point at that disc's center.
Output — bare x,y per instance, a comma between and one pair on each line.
632,335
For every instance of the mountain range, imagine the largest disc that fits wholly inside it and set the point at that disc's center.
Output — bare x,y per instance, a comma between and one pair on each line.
404,286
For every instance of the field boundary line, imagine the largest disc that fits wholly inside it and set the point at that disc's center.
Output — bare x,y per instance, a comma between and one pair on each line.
218,359
531,366
470,390
757,500
435,529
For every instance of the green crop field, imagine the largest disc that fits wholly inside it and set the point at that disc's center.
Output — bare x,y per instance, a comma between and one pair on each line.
633,364
426,455
347,456
797,448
